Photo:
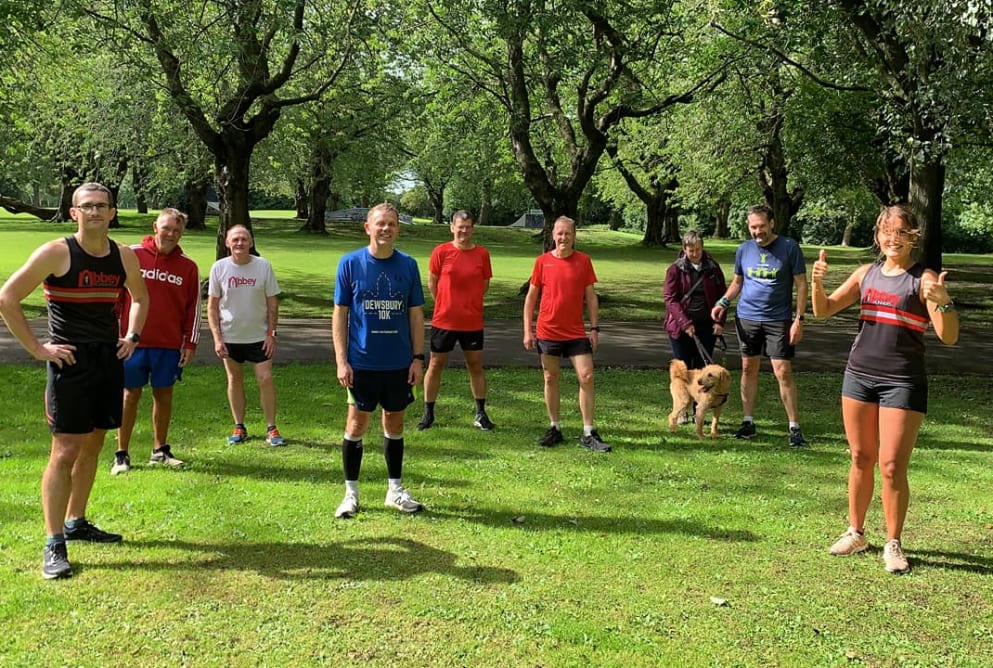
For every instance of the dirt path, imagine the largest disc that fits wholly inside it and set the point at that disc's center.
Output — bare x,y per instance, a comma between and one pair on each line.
622,344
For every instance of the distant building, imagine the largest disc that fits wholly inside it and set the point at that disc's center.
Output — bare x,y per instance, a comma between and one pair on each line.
532,220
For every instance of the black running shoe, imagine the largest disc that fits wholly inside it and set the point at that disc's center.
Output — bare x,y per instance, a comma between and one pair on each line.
483,422
552,437
55,563
746,430
796,438
88,532
594,443
425,422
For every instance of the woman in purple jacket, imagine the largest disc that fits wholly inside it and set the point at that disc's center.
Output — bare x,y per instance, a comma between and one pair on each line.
693,284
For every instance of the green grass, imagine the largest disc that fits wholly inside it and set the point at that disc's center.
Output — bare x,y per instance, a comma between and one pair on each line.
630,275
525,557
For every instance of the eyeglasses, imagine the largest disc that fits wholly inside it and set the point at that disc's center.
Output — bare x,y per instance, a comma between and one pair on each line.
90,208
901,233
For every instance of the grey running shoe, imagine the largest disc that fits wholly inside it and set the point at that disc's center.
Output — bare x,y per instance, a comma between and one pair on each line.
552,437
894,559
402,501
348,507
850,542
55,563
163,455
594,442
746,430
483,422
425,422
796,438
122,463
89,533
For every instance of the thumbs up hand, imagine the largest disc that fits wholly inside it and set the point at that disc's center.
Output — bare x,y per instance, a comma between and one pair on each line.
820,267
934,290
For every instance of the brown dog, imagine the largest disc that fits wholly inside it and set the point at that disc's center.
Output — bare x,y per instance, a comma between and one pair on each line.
708,387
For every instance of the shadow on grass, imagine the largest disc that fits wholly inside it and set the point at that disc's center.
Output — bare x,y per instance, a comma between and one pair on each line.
610,524
952,561
358,559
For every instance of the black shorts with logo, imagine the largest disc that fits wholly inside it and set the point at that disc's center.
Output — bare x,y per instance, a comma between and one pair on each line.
444,340
86,395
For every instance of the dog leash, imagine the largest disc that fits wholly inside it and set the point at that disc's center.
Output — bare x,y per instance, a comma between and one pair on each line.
722,344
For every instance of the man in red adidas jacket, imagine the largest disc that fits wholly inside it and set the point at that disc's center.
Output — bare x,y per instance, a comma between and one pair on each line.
169,339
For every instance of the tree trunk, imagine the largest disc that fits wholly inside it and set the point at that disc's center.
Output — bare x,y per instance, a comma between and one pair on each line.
69,180
486,203
300,200
773,176
139,180
672,225
319,179
655,225
231,171
17,206
616,221
721,214
927,186
320,189
436,194
196,198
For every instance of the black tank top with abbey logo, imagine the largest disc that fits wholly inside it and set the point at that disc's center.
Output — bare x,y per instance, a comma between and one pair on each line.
892,322
82,303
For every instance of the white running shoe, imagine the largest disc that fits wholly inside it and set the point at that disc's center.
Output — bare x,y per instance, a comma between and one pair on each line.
348,507
850,542
894,559
402,501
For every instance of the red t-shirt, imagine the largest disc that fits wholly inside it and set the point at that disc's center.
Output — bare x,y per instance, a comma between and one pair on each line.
462,275
563,284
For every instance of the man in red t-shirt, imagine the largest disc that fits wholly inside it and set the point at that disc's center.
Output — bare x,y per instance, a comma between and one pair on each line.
459,276
564,278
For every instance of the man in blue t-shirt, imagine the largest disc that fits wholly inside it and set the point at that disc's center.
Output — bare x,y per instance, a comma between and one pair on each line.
766,268
378,332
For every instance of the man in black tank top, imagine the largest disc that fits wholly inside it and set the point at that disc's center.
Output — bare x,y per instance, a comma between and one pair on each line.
83,277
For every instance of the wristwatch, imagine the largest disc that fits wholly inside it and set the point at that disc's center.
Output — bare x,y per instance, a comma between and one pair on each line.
945,308
419,356
272,333
133,337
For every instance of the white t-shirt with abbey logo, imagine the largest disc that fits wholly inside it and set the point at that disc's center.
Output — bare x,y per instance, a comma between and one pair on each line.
242,290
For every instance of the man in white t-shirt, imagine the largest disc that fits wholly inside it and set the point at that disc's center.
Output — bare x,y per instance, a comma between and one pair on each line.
242,309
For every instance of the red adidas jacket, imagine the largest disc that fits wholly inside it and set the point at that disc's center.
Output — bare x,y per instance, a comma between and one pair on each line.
173,298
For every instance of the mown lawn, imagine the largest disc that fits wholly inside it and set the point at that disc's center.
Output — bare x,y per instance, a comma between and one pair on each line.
667,551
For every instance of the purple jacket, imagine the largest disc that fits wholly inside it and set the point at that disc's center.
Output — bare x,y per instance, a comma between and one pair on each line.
678,283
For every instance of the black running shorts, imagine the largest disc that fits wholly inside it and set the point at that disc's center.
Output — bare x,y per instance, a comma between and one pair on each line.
444,340
388,389
86,395
771,339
